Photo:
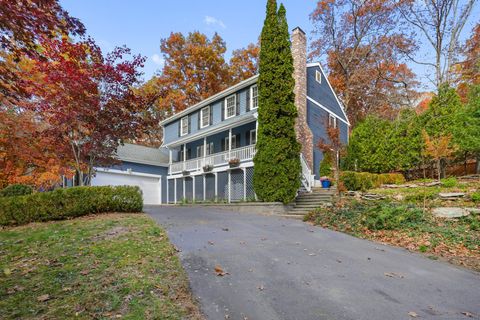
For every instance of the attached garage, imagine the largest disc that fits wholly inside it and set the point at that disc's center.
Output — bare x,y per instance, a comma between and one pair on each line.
151,185
140,166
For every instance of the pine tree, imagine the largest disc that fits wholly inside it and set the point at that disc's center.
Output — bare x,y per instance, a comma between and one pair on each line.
277,162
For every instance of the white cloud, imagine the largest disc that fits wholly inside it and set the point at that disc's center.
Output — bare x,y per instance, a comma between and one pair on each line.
210,21
158,60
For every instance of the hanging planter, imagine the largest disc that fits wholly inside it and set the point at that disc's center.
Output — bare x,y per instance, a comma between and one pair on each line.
207,168
234,163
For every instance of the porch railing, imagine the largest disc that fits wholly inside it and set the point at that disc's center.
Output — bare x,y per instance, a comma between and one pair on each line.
307,178
217,159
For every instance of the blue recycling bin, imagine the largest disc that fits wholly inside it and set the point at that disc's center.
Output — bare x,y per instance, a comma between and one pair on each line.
326,184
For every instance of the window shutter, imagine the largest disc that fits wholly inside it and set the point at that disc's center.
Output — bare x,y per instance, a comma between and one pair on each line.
179,127
189,124
237,100
189,154
248,100
247,137
222,105
211,116
198,120
223,144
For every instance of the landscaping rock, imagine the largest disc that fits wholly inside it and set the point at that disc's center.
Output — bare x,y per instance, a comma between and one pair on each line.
473,210
450,212
372,196
398,197
432,184
451,195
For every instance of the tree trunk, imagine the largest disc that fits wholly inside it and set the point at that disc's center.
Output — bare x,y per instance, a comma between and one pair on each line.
439,169
477,166
443,168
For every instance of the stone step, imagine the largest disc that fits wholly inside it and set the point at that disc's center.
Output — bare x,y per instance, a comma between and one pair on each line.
299,211
313,198
307,207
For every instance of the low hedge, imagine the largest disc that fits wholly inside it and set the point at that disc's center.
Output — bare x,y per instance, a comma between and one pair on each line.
69,203
16,190
363,181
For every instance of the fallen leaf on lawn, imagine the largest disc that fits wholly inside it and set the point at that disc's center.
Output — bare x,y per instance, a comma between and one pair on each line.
67,289
467,314
393,275
210,243
84,272
7,271
219,271
43,298
413,314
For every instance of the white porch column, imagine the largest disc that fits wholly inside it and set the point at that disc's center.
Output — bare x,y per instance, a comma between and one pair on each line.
170,156
175,190
228,186
183,179
244,184
229,142
216,186
184,156
204,185
204,147
193,188
168,200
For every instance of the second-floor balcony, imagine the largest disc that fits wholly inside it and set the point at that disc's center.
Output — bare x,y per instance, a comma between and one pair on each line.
243,154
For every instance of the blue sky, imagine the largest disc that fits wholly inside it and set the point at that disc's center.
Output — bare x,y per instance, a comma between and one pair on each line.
140,24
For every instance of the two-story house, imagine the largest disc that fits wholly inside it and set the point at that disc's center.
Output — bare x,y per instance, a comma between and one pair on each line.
209,147
211,144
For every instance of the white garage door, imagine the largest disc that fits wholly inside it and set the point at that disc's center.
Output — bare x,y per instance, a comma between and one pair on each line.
150,185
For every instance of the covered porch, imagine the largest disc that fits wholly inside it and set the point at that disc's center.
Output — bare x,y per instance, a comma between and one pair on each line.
212,152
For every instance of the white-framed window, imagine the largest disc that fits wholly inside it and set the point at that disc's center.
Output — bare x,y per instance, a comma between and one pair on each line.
254,97
318,76
205,117
253,136
332,121
210,148
200,151
230,106
234,142
184,126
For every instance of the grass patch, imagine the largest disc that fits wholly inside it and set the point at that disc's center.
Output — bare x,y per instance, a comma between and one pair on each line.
96,267
457,241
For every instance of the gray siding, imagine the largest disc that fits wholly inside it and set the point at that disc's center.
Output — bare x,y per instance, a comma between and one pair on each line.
188,188
322,93
199,188
171,132
210,187
171,191
316,121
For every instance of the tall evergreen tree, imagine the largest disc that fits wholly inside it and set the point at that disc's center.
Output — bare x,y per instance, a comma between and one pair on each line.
277,162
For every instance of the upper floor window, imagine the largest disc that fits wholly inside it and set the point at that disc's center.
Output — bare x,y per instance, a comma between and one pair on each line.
318,76
184,126
254,97
253,136
332,121
205,117
230,106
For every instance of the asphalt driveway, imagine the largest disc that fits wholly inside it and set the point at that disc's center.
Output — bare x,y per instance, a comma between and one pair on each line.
286,269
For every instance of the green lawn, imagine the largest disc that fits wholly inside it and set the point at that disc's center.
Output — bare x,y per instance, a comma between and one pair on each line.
98,267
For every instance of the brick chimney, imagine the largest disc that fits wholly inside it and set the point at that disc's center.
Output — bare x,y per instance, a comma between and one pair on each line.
304,134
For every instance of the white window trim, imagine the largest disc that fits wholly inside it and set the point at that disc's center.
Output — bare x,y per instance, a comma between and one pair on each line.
181,126
234,96
234,138
251,97
318,76
201,117
330,117
251,133
200,151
